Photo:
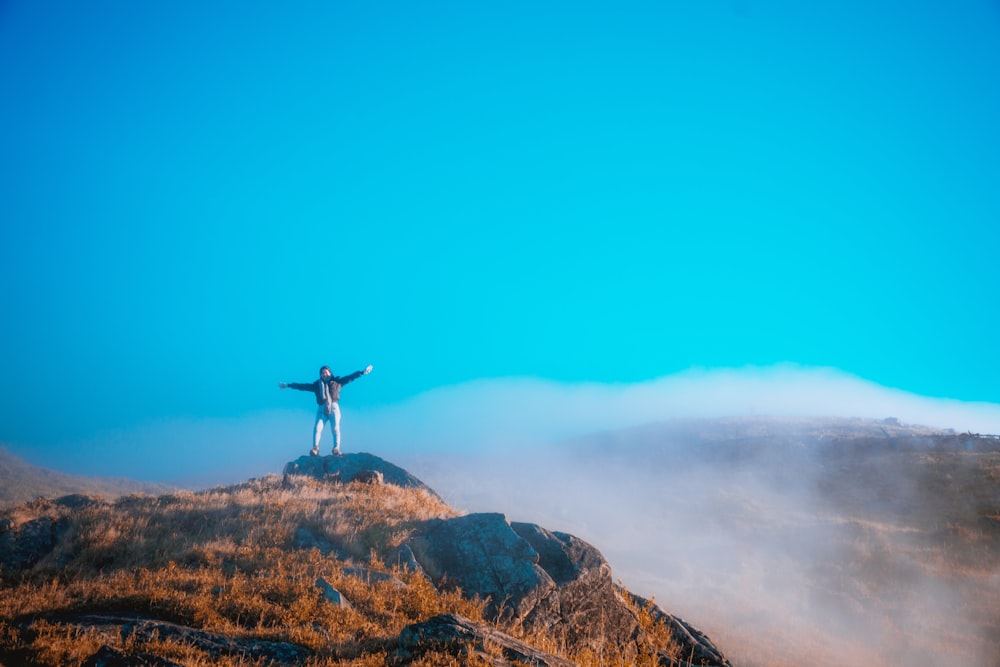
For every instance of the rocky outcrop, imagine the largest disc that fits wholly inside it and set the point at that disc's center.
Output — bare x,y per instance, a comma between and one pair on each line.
458,635
545,580
482,555
21,546
28,536
698,648
148,629
331,594
360,467
110,657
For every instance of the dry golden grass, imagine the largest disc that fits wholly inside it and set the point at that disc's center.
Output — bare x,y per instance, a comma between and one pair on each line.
224,561
220,561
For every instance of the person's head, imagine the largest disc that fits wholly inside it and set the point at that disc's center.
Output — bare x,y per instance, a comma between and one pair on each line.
324,372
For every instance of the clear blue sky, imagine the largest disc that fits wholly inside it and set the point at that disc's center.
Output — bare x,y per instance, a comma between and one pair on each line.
200,199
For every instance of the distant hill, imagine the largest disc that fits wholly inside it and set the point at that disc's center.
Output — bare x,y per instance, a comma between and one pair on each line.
883,537
21,481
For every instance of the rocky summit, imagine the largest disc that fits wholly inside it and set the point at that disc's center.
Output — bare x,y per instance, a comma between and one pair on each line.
361,467
540,578
343,560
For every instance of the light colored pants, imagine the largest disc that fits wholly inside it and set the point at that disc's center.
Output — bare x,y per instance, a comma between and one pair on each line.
321,419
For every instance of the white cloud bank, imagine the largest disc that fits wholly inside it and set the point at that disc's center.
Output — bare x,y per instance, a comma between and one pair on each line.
740,564
496,414
522,411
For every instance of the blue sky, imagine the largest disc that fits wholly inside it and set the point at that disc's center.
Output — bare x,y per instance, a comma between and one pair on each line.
199,200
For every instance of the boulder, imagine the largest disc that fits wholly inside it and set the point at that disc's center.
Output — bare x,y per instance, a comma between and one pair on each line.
697,648
544,580
304,538
483,556
585,605
369,477
403,557
458,635
23,545
111,657
351,467
150,629
331,594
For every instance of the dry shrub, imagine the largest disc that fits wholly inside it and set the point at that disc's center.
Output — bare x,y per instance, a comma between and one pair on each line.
62,645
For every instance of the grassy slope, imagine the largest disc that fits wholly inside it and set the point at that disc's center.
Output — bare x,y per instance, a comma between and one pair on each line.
223,561
20,482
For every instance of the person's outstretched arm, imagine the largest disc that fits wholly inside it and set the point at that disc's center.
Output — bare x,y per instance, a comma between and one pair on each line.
297,385
354,376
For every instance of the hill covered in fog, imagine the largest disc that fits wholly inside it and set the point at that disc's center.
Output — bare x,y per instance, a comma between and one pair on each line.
345,561
791,541
21,481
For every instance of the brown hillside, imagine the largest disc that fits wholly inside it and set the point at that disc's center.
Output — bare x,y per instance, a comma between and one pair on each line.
281,570
20,482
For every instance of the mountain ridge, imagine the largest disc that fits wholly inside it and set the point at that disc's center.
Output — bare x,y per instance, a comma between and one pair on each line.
21,482
883,537
508,587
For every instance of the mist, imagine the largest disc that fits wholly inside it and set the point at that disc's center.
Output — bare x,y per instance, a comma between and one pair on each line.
506,416
742,553
749,552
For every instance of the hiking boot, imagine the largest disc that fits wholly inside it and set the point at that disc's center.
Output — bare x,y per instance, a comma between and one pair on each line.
336,451
313,452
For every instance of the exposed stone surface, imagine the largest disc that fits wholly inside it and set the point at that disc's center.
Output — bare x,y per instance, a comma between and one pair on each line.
351,467
482,555
404,558
331,594
545,580
32,531
110,657
22,545
698,648
457,634
303,538
369,477
585,606
146,629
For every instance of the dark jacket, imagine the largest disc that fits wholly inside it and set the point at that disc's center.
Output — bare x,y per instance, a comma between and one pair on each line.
329,394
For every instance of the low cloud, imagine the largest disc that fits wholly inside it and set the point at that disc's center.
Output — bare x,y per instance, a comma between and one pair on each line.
492,415
519,412
729,550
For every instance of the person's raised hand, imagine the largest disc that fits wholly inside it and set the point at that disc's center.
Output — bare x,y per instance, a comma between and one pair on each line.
368,370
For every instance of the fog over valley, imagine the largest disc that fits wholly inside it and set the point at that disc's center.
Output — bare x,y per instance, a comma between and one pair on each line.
793,514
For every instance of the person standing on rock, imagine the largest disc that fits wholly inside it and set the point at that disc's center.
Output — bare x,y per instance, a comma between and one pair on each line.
327,391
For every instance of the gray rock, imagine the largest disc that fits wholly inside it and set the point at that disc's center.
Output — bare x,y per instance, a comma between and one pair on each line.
304,538
457,634
482,555
110,657
585,608
697,648
546,580
369,477
149,629
348,467
331,594
404,558
24,545
77,501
